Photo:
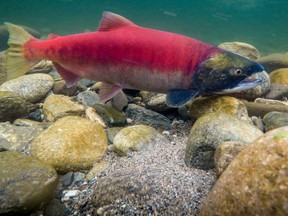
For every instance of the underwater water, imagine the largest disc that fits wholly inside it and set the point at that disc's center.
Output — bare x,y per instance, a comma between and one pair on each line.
261,23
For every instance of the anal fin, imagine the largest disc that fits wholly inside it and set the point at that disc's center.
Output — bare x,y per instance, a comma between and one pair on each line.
69,77
107,90
178,97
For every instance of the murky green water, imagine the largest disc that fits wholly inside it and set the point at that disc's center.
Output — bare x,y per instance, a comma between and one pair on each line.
262,23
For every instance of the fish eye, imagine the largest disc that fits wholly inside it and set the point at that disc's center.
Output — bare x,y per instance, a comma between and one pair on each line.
237,72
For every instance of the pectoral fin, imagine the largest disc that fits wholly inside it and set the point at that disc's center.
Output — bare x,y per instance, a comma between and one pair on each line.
107,90
69,77
178,97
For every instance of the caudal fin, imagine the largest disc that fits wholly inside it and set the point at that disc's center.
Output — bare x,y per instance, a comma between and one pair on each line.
17,64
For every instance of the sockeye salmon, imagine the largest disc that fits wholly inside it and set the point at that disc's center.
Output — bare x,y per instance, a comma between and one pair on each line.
123,55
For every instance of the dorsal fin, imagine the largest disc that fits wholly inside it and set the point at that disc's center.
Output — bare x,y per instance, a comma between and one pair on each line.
111,21
52,36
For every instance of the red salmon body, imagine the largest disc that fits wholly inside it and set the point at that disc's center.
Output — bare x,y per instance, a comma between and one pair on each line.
121,55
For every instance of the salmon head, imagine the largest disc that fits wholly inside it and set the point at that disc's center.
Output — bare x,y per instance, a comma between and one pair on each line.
226,72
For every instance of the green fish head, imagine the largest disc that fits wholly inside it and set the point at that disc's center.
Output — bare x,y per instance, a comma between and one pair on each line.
226,72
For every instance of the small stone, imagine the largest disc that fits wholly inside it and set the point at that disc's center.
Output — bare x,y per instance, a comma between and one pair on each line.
274,61
43,66
135,138
111,116
31,87
26,183
225,153
223,104
279,76
158,103
70,144
258,123
277,92
273,120
88,98
58,106
60,87
95,117
140,115
13,106
112,132
242,49
55,208
211,130
119,101
255,182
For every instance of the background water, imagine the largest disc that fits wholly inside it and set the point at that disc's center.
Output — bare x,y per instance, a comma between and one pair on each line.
262,23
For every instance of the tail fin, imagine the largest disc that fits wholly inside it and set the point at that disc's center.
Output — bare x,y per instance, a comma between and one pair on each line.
17,64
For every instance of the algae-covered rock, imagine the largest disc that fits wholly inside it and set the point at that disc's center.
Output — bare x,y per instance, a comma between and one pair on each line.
32,87
256,181
13,106
223,104
273,120
279,76
70,144
26,183
211,130
3,68
110,115
135,138
242,49
274,61
58,106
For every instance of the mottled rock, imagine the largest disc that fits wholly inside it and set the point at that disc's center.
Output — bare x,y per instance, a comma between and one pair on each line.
279,76
18,137
255,182
209,131
88,98
277,92
242,49
257,91
224,104
140,115
111,116
154,101
43,66
112,132
26,183
58,106
32,87
274,61
3,69
13,106
135,138
273,120
60,87
225,153
94,117
70,144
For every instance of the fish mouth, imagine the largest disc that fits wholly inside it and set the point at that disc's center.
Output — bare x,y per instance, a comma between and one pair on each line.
246,84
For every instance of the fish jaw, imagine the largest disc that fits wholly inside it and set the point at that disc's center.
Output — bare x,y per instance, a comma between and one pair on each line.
246,84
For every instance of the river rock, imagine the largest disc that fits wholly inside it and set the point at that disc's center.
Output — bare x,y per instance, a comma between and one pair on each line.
110,115
3,69
94,117
257,91
70,144
135,138
141,115
43,66
58,106
119,101
273,120
154,101
32,87
26,183
242,49
274,61
255,183
60,87
224,104
112,132
209,131
279,76
13,106
225,153
18,137
88,98
277,92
